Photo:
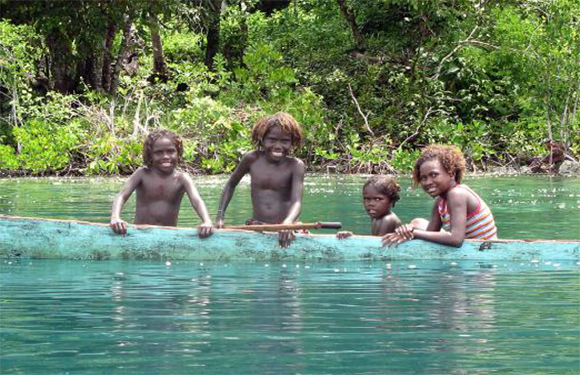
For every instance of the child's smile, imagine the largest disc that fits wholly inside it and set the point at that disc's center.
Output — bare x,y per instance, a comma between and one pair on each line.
376,204
277,143
434,179
164,155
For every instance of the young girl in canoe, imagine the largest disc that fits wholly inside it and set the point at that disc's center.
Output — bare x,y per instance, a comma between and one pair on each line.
458,210
276,176
160,187
380,193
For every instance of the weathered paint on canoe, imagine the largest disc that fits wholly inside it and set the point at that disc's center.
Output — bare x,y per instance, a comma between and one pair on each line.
66,239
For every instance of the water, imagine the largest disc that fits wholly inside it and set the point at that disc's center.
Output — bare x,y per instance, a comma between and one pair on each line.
524,207
122,317
130,317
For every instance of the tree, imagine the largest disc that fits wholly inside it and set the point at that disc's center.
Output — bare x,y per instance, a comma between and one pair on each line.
214,8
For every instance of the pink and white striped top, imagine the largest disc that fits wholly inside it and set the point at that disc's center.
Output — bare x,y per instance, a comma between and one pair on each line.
480,223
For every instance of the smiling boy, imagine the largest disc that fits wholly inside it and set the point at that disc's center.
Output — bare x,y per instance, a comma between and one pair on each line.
276,177
160,187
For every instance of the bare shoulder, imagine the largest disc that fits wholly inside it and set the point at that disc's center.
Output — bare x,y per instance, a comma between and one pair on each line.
391,221
457,194
250,157
388,224
183,176
140,173
297,164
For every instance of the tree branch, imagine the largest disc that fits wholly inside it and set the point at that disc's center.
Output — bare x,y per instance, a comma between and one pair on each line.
457,48
365,118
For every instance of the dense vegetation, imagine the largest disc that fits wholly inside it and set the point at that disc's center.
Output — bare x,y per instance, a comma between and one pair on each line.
371,81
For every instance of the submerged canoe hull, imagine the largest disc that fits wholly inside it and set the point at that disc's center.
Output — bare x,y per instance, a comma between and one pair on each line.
22,237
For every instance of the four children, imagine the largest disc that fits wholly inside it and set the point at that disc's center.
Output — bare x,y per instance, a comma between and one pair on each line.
277,184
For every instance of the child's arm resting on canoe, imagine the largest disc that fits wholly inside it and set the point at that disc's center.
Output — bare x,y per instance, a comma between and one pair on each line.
457,208
117,224
285,237
205,229
241,170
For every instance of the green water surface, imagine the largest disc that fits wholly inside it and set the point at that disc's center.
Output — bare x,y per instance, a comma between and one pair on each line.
425,317
128,317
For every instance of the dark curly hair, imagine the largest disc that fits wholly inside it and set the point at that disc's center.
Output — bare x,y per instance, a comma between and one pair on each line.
282,119
450,157
385,185
154,136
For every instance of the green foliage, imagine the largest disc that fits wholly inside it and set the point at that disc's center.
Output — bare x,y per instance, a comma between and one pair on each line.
45,148
495,78
8,159
215,134
264,76
19,52
404,160
111,155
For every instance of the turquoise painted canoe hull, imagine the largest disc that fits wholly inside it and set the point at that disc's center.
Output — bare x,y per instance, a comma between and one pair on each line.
22,237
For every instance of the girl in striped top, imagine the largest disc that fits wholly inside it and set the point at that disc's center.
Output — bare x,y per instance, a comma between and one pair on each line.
458,210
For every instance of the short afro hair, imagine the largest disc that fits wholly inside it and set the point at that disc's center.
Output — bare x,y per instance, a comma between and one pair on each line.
385,185
286,123
153,137
450,157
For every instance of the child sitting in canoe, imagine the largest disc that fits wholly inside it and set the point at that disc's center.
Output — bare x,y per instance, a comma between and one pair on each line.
160,187
458,210
380,193
276,176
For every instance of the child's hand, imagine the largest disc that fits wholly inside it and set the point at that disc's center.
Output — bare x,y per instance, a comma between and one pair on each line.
119,226
205,230
401,234
285,237
343,234
406,231
219,224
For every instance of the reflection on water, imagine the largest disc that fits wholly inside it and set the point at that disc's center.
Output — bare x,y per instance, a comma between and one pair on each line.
401,318
130,317
524,207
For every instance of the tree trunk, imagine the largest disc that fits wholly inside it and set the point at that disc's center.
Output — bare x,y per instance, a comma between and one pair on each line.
349,16
235,46
62,66
159,67
90,69
213,32
108,55
97,71
128,20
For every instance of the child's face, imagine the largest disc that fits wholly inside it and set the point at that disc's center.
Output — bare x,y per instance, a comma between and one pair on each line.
164,155
277,143
376,203
434,179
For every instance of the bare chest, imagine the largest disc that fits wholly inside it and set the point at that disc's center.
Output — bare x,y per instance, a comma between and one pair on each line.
161,189
271,177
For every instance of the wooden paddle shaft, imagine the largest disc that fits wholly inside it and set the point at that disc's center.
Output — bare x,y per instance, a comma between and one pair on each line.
296,226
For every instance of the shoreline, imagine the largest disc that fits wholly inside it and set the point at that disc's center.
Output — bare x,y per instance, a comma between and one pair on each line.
565,169
26,175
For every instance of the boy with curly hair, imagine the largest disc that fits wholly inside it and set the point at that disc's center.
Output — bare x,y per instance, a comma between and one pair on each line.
160,187
458,210
276,177
380,193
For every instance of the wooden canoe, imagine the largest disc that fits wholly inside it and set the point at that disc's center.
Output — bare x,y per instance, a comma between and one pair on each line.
24,237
